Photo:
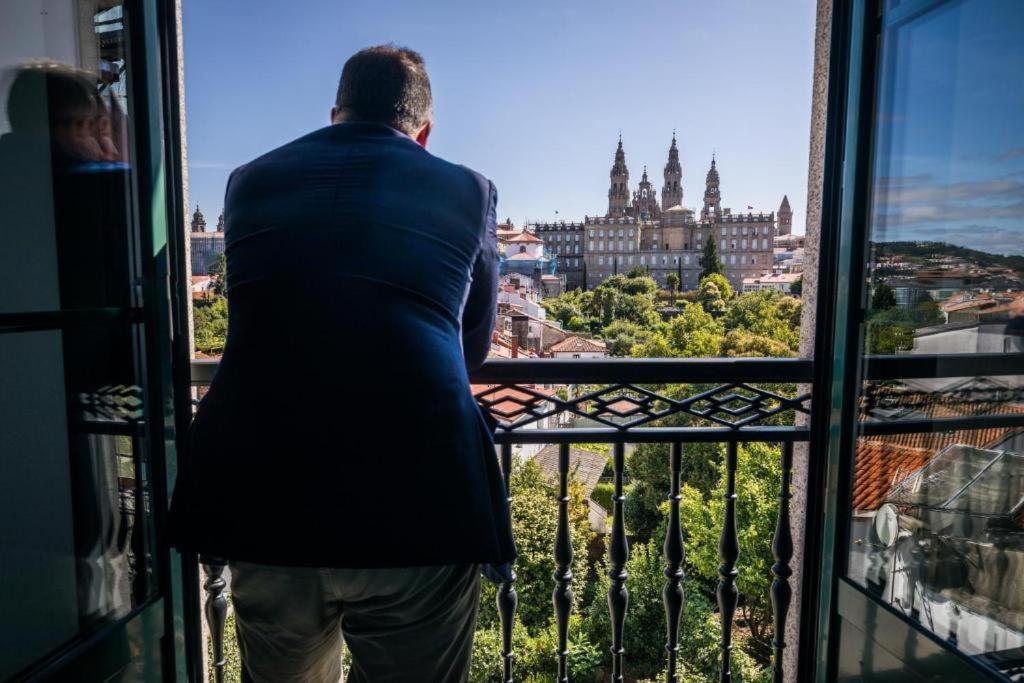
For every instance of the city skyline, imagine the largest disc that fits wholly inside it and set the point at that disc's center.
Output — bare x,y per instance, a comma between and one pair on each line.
533,96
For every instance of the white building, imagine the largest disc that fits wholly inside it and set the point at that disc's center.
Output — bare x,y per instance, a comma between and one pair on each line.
578,347
782,282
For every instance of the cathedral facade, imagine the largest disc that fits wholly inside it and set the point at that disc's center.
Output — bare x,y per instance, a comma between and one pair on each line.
205,246
663,236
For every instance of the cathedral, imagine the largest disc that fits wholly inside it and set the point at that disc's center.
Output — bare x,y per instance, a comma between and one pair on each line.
205,246
663,236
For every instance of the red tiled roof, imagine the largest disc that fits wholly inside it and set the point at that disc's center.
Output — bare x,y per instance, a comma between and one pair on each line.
508,403
936,441
577,344
881,462
524,237
880,466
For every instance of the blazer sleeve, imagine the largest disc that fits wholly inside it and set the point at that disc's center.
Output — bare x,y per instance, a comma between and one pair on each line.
482,303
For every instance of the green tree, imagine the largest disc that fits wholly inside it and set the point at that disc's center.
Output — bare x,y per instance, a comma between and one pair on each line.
535,658
757,486
534,522
567,306
649,479
210,324
743,344
885,338
219,272
656,346
722,282
797,288
694,333
767,313
622,336
710,298
883,297
672,282
709,261
645,633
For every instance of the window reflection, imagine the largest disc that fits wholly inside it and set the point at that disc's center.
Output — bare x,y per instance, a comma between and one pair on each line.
938,502
75,526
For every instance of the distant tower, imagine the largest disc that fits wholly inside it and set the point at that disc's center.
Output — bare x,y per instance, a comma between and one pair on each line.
618,193
712,195
220,222
785,217
645,200
672,190
198,222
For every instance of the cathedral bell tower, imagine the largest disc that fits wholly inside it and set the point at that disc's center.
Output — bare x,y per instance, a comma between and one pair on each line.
672,190
618,193
785,217
645,200
198,221
712,195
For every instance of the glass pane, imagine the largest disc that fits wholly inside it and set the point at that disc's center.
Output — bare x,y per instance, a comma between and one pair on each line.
938,504
75,535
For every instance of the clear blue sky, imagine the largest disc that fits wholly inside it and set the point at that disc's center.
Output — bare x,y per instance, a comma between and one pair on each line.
530,93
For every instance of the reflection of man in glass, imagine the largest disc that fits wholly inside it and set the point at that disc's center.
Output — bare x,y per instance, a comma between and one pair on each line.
63,172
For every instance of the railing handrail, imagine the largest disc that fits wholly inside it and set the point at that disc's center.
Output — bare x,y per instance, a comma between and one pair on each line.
697,370
942,365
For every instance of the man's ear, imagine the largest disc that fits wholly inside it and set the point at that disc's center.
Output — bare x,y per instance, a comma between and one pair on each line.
334,113
421,137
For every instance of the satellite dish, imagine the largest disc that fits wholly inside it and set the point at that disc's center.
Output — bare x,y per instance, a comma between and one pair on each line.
887,524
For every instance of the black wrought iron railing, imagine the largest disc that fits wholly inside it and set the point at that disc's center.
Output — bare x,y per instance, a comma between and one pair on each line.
620,402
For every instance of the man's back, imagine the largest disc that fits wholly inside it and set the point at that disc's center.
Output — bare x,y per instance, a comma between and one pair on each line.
340,420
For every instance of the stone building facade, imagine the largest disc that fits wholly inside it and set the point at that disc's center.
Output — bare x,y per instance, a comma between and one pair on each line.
205,246
564,241
663,236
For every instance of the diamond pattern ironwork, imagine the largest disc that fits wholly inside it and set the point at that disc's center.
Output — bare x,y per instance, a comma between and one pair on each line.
627,406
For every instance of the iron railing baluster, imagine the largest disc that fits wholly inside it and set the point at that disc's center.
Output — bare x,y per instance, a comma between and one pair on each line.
621,407
728,552
672,595
507,599
216,612
618,555
561,597
782,551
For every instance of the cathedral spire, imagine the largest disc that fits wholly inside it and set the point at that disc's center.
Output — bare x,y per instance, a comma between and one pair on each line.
198,221
618,193
672,190
712,193
645,200
785,216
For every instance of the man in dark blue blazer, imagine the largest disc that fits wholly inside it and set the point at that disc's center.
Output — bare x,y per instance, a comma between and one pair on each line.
339,460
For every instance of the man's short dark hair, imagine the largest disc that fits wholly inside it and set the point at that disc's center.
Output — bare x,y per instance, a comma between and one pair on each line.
385,84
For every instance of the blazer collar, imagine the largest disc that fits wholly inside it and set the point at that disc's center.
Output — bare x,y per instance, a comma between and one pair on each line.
367,128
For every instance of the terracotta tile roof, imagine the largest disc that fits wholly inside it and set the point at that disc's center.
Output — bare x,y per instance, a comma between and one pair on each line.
577,344
525,257
620,408
508,403
879,466
523,237
881,462
936,441
501,346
